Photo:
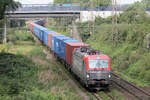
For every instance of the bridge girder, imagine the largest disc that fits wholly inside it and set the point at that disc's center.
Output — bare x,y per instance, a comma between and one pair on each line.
13,15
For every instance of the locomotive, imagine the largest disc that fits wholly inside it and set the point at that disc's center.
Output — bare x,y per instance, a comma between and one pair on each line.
92,67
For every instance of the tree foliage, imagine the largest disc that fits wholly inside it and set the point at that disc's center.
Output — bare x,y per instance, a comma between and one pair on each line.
86,2
146,3
134,14
8,5
130,57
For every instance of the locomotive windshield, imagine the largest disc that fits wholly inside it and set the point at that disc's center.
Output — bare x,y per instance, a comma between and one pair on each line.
98,63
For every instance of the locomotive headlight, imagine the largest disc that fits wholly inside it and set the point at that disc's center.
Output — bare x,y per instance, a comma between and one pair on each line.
109,76
87,75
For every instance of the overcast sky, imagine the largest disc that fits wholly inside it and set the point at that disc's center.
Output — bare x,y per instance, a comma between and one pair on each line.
50,1
35,1
126,1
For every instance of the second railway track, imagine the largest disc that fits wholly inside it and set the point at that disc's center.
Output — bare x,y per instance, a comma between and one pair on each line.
131,88
139,93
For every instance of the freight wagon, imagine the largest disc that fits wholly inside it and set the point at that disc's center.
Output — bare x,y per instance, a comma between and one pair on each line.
92,67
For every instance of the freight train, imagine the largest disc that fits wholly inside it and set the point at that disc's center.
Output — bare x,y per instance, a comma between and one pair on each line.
92,67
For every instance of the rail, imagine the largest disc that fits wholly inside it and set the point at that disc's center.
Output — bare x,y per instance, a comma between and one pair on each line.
97,96
138,92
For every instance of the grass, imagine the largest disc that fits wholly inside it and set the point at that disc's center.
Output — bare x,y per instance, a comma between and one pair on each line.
115,94
22,35
77,82
47,82
18,73
62,28
129,55
104,96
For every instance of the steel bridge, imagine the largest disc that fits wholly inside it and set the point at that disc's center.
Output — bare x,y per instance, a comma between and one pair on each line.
52,10
44,10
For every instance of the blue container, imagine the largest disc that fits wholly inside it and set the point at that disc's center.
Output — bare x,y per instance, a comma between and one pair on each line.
42,33
54,41
45,36
59,44
71,40
38,31
37,22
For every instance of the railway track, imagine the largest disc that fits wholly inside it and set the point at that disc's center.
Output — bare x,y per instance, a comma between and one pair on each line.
76,86
139,93
111,97
84,95
97,96
131,88
54,61
78,89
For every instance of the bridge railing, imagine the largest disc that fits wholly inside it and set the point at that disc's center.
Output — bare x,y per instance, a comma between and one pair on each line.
49,7
64,7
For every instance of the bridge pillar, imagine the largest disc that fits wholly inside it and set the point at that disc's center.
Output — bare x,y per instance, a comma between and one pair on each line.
8,23
47,21
148,42
19,23
5,33
74,30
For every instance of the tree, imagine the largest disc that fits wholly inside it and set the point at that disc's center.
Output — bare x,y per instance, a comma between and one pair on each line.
146,3
8,5
102,2
134,14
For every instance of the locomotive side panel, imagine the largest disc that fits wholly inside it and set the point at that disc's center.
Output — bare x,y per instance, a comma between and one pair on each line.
78,66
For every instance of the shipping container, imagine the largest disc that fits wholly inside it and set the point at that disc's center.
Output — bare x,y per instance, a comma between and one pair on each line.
53,39
71,40
47,33
50,38
60,44
37,22
70,46
32,26
39,31
36,31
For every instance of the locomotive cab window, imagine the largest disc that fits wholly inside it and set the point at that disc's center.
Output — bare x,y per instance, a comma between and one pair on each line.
98,63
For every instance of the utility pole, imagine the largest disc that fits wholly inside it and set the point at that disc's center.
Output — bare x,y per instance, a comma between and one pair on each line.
5,32
91,22
114,20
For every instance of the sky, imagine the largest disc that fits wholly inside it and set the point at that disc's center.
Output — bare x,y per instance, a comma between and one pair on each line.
50,1
35,1
126,1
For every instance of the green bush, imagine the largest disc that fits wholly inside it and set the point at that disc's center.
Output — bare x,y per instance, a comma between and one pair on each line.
17,74
129,56
37,51
14,36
